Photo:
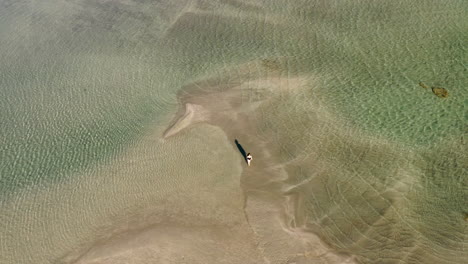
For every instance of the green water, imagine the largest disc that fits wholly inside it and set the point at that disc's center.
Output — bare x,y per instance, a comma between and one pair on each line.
82,81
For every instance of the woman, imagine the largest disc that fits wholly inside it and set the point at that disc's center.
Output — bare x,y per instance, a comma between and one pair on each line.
249,158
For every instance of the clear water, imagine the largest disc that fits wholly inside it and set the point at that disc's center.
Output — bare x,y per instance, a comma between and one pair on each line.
83,83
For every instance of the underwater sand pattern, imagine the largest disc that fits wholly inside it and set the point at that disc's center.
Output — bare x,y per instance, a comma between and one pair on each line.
119,122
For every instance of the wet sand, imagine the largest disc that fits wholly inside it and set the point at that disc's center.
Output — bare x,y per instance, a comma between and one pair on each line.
325,191
305,199
268,229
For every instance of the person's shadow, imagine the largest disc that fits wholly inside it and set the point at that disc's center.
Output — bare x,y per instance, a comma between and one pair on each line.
241,150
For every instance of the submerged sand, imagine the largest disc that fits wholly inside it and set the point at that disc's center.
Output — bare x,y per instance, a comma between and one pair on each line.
319,190
247,217
353,161
305,199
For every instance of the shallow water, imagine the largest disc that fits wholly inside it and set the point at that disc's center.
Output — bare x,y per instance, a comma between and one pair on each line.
325,94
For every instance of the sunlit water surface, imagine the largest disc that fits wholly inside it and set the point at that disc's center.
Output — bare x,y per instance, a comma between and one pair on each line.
88,88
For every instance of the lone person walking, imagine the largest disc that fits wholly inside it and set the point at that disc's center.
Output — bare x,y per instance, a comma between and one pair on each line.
249,158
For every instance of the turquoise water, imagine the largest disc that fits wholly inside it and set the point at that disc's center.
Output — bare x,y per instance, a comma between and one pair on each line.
82,82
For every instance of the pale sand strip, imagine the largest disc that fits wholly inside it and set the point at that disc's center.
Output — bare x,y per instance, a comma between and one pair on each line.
193,114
